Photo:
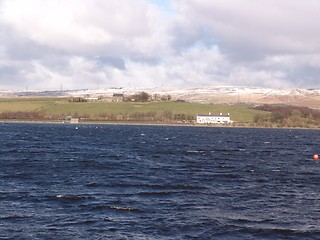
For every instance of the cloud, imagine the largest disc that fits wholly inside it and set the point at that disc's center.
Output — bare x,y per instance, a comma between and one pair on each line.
250,33
271,26
84,27
150,43
44,31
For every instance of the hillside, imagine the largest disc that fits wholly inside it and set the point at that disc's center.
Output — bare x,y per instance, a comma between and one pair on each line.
247,106
217,95
57,109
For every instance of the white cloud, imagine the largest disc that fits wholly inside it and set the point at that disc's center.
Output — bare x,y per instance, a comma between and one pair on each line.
272,25
182,43
84,27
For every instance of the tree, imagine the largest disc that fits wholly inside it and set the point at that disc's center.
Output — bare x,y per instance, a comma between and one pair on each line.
139,97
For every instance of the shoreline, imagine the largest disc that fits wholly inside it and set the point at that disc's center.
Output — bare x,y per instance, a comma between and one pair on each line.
155,124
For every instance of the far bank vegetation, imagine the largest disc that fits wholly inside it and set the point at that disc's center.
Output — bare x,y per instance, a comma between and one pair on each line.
287,116
151,116
144,107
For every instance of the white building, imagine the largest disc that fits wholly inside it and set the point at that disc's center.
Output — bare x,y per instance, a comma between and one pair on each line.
213,119
70,119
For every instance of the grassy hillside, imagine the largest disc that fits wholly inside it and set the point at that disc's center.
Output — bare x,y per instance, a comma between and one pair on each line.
54,106
26,104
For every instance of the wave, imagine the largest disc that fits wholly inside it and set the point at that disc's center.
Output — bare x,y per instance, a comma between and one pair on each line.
117,208
61,197
158,186
236,231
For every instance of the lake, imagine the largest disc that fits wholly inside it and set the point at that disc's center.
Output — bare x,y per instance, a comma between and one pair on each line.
158,182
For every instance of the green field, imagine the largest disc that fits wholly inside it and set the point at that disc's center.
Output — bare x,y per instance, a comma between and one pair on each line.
25,104
61,106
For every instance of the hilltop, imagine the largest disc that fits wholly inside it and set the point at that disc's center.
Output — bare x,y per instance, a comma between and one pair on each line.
217,95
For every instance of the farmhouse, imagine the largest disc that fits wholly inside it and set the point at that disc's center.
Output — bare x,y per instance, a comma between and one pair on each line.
213,119
117,97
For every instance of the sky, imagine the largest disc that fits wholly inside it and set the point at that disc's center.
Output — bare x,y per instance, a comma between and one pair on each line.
77,44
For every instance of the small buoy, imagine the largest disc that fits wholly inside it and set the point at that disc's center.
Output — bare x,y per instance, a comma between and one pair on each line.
316,157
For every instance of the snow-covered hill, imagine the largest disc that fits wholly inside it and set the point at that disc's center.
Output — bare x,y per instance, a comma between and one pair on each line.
222,94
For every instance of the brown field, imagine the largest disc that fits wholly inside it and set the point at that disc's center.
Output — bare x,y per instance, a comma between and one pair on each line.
310,101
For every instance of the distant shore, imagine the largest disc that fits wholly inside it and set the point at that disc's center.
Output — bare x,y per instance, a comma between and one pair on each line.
155,124
119,123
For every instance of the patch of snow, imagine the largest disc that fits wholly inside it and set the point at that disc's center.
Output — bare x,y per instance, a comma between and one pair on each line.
193,94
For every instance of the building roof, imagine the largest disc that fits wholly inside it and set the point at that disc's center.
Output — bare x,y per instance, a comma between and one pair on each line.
118,95
216,115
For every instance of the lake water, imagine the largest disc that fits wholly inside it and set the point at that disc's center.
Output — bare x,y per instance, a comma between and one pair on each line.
148,182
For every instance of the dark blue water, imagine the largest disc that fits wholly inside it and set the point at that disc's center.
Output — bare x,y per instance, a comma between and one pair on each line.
144,182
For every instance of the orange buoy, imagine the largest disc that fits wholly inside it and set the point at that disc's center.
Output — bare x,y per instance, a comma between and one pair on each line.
316,157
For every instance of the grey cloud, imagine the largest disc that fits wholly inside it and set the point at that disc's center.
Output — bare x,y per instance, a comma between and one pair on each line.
103,61
7,72
24,49
12,76
305,77
266,26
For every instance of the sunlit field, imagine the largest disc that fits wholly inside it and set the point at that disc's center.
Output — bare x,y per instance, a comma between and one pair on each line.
61,106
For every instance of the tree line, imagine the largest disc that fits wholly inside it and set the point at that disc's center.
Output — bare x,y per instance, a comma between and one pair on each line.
287,116
137,97
146,97
165,116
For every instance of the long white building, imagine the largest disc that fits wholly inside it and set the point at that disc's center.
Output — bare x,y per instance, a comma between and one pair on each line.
213,119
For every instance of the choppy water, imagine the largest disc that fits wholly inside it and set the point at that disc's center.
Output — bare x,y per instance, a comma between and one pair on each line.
144,182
